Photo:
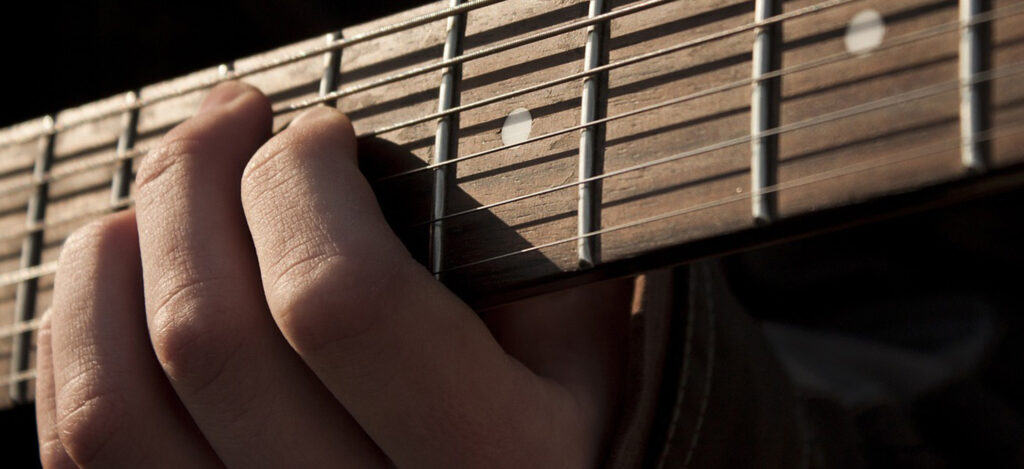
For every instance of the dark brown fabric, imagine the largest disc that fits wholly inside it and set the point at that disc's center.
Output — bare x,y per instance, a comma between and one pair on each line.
720,399
650,332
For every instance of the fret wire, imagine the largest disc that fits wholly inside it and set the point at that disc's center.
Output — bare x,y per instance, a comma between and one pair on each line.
902,98
21,327
773,189
19,379
927,33
479,53
808,10
36,271
778,187
332,69
970,63
72,169
763,110
587,203
265,66
120,185
920,152
611,66
822,61
31,255
986,17
446,138
951,143
78,216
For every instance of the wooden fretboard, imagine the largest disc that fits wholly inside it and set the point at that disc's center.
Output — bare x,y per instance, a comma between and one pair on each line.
519,143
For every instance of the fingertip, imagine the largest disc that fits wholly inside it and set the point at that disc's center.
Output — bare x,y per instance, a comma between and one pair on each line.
319,138
230,92
315,114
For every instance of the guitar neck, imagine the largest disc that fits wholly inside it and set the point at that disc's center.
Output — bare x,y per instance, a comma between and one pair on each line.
518,144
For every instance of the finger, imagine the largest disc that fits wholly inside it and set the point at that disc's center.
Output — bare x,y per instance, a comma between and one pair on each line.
251,395
51,452
411,362
113,406
577,337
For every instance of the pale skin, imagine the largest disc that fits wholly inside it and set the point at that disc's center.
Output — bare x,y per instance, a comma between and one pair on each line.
255,310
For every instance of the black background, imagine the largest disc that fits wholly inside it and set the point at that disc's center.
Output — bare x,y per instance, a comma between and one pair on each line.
61,54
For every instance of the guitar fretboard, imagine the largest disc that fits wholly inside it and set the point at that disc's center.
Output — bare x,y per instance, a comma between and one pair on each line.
516,142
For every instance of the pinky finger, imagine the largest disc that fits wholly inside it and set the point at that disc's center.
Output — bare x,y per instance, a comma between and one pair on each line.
51,452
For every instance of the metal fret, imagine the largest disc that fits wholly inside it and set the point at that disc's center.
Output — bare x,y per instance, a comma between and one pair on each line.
332,70
971,112
120,186
763,112
446,140
31,255
589,139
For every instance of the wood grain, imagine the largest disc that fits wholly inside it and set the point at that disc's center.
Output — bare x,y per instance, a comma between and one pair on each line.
723,174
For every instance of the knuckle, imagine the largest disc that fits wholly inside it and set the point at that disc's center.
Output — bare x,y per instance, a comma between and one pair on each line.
103,237
322,300
169,160
90,238
264,172
53,456
89,425
189,336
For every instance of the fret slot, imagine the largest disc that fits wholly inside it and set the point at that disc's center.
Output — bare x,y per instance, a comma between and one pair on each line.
764,112
972,115
31,255
445,140
591,140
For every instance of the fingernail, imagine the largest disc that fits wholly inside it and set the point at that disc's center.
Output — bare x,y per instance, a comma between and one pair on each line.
311,114
222,94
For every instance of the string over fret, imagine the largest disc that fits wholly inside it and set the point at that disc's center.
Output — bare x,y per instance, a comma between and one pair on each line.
31,255
120,186
445,140
972,116
590,139
764,104
332,70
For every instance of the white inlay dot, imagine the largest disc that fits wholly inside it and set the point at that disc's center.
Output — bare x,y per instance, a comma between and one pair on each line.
517,127
865,31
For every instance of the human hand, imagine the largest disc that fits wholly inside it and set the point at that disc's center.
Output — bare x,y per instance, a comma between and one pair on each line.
255,309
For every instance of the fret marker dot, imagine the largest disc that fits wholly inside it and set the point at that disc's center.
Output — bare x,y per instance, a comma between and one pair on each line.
865,32
517,127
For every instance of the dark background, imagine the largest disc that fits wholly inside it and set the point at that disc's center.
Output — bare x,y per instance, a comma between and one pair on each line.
58,55
61,54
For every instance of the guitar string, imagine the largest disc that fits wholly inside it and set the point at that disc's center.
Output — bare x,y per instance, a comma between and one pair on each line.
37,270
271,64
950,144
896,42
94,163
465,57
345,42
477,54
610,66
903,40
73,169
920,152
23,274
882,103
29,374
